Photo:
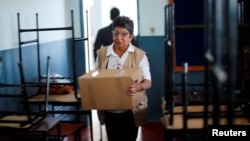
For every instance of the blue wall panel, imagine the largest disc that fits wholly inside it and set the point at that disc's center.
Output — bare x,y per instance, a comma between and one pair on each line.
61,62
189,41
9,70
189,47
154,46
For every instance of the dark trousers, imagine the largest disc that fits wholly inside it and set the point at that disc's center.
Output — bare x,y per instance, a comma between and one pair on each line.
121,126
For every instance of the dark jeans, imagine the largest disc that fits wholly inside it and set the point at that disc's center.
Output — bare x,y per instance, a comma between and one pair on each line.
121,126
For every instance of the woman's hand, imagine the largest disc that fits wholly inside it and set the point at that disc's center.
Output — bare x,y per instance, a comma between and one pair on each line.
133,87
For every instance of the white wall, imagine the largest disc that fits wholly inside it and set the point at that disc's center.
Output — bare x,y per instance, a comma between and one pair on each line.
56,13
52,13
151,17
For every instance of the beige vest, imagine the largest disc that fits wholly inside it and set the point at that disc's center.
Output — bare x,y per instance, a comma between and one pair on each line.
132,61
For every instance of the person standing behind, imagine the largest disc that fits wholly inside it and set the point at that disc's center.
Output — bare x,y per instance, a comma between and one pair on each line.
122,125
104,35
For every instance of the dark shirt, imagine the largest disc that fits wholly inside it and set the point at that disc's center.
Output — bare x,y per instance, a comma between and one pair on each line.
104,37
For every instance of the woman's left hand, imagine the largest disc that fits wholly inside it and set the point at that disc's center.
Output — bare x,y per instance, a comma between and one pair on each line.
133,87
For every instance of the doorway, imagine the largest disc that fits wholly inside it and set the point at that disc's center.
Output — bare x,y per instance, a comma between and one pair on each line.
98,16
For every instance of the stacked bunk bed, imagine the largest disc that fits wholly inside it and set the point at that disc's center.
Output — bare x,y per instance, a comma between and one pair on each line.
63,98
217,101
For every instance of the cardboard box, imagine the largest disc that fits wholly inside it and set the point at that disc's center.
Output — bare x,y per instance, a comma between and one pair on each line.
105,89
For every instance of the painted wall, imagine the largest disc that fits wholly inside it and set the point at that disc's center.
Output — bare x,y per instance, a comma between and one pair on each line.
151,39
151,17
51,14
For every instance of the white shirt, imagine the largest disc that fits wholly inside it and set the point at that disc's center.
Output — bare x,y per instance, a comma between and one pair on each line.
115,62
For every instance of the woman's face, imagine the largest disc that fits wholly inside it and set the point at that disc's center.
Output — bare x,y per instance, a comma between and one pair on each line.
121,37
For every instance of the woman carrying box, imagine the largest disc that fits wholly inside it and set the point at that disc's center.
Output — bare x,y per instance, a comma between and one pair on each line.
123,125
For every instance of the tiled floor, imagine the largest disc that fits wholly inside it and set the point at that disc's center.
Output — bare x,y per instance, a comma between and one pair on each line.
151,131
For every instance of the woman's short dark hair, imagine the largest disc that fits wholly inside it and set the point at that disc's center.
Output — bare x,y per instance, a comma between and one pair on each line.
125,22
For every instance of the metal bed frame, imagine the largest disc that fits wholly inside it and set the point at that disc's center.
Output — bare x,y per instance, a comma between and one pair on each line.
57,100
25,123
192,121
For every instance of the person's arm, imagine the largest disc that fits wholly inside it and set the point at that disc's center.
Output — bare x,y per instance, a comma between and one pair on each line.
145,83
138,86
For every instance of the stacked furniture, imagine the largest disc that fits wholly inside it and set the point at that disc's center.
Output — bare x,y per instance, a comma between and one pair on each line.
58,103
24,123
219,97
